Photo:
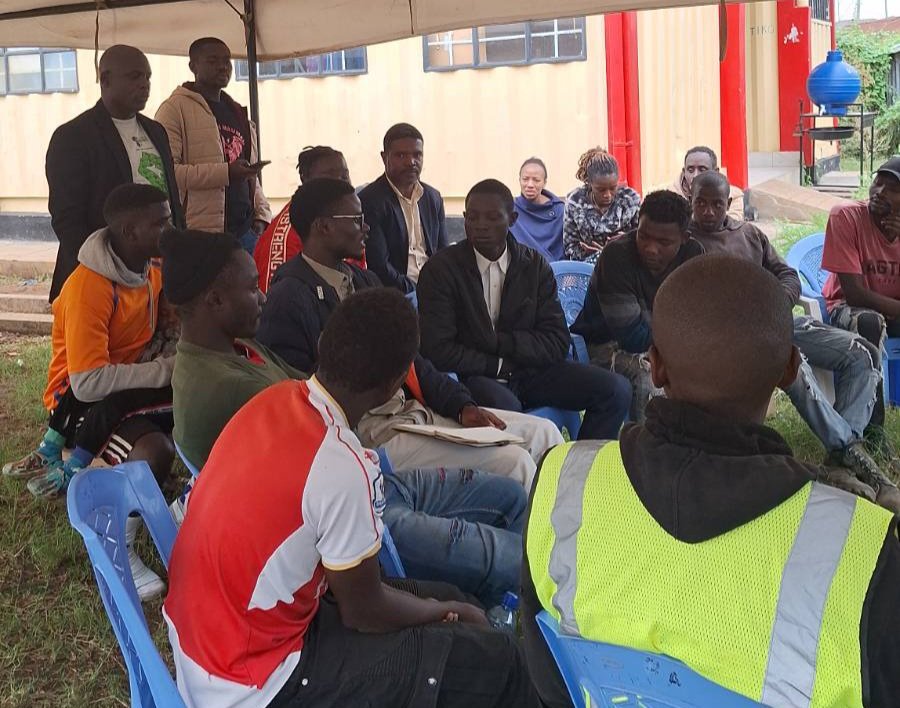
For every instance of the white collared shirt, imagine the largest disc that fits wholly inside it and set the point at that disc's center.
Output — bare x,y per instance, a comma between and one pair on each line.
417,256
493,275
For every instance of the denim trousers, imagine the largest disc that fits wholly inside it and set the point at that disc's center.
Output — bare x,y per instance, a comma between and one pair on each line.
459,526
857,371
874,328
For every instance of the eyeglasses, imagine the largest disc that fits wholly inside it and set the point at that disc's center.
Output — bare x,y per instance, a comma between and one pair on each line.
358,219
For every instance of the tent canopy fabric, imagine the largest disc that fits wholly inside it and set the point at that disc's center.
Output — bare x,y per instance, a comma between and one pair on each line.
284,28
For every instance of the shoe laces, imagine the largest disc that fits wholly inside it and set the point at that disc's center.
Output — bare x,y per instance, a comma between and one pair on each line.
877,477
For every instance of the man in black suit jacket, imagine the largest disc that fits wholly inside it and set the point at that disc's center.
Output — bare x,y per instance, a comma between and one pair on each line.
107,145
307,289
489,311
405,216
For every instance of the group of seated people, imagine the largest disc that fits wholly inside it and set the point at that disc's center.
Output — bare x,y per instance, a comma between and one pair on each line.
690,531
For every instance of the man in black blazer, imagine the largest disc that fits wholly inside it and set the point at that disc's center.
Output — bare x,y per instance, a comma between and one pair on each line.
405,216
107,145
489,311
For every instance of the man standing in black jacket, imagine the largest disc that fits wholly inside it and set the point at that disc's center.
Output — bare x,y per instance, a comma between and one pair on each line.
489,311
405,216
107,145
305,292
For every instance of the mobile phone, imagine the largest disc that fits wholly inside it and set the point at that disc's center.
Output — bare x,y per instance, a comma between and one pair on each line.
259,165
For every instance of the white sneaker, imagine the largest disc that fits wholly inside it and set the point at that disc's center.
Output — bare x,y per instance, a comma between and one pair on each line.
177,509
148,584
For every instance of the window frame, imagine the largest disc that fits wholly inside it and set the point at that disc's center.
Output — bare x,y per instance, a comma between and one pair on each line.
820,7
41,52
243,75
529,59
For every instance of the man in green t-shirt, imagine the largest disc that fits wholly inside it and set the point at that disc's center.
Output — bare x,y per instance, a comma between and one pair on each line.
218,365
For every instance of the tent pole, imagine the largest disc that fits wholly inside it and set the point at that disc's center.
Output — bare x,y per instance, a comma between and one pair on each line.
253,79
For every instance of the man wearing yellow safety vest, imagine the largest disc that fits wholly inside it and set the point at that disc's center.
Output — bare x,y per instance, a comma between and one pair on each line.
699,536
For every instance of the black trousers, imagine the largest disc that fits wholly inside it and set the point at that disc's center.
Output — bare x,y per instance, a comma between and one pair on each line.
125,415
604,396
446,665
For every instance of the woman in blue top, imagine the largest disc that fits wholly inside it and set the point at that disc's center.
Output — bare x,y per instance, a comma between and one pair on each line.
539,224
600,210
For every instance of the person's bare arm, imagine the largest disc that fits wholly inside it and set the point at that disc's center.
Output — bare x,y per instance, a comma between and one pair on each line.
368,605
858,295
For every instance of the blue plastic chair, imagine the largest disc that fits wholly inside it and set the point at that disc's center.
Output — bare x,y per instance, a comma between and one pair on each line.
388,555
191,467
572,280
805,257
890,355
99,500
561,418
609,676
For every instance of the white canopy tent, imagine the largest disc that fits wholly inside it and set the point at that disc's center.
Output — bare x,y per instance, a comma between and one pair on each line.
283,27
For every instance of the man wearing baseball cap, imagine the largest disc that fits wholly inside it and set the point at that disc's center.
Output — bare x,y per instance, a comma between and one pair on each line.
862,251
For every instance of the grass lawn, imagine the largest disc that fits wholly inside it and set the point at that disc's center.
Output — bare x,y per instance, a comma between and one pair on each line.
56,645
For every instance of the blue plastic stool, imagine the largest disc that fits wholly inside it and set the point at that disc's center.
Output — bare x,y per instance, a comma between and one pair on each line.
890,368
99,500
388,555
609,676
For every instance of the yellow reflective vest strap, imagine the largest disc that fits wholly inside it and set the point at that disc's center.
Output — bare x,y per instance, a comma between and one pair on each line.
770,610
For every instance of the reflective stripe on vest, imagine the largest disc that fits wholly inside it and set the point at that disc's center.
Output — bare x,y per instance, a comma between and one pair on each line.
770,610
805,583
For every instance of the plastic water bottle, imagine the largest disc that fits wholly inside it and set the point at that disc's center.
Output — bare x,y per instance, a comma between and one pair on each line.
505,616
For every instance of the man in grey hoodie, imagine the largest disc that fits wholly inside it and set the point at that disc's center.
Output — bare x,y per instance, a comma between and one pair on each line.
102,396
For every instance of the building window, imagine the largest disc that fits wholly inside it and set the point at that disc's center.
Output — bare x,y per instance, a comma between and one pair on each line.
35,70
506,45
340,63
820,10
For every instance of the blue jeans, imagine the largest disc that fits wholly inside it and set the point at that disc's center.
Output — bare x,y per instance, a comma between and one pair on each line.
857,379
459,526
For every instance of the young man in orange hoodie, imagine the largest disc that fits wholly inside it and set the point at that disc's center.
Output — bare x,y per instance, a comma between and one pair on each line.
102,398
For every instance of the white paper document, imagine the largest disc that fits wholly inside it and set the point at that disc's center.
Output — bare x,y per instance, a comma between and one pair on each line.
474,437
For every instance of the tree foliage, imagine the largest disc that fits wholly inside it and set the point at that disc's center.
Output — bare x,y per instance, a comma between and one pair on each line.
868,52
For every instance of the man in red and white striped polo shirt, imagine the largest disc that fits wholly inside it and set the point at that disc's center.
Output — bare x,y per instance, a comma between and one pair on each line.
275,593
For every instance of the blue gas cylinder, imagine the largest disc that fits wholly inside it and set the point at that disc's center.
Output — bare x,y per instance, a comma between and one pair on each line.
833,84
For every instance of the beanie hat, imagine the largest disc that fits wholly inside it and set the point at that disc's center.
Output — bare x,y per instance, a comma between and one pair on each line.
192,260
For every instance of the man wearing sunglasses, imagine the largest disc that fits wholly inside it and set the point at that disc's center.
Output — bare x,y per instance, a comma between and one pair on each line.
305,291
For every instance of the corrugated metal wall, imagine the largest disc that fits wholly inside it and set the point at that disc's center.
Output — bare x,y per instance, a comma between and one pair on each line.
762,78
476,124
679,88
